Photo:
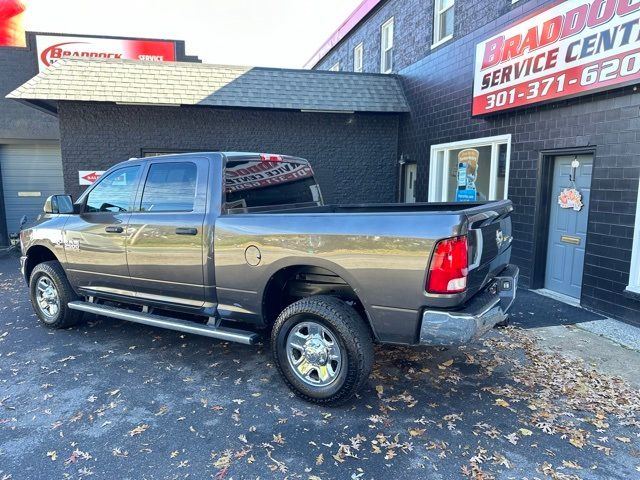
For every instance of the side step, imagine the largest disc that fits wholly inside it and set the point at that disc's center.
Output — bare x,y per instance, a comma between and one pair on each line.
221,333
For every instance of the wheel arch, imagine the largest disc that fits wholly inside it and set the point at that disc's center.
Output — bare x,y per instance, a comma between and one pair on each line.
291,282
37,254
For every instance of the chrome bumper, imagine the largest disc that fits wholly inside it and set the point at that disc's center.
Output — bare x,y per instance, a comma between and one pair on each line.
486,309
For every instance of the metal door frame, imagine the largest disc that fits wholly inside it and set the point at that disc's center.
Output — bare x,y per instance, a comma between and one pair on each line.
542,210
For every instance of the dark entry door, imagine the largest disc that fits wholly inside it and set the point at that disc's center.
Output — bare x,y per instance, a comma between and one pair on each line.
568,227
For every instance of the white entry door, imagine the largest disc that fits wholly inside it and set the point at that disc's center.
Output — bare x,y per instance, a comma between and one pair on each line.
410,174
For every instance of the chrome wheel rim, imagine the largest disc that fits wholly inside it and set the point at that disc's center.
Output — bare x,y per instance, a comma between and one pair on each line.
47,298
314,354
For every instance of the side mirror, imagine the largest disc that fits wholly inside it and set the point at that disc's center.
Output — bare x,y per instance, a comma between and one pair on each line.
59,204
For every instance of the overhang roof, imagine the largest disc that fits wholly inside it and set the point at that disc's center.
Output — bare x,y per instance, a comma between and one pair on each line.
177,83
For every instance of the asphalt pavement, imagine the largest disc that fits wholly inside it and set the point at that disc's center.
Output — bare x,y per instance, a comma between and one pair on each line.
110,399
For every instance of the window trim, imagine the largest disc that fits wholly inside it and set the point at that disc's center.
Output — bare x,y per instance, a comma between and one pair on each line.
435,41
435,168
335,67
358,50
387,24
634,273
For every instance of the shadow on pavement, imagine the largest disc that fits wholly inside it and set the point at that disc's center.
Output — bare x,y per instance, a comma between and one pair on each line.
531,310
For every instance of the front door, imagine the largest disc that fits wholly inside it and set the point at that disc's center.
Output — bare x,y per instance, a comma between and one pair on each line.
95,240
410,174
165,247
568,226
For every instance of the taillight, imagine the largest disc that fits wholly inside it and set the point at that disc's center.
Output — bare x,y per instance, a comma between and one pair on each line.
449,266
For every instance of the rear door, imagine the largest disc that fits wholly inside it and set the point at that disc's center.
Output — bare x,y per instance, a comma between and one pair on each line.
95,240
166,235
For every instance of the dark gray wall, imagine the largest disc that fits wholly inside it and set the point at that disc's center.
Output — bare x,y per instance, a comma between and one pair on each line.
17,121
354,156
413,31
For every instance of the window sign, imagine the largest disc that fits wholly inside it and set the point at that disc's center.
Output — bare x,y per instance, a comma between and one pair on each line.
470,171
467,173
566,49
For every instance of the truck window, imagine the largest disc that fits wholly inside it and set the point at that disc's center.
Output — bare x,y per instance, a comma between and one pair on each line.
260,185
115,192
170,187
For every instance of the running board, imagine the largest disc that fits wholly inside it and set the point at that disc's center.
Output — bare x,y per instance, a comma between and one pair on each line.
221,333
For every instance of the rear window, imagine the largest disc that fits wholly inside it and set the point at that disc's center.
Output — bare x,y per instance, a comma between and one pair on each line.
254,185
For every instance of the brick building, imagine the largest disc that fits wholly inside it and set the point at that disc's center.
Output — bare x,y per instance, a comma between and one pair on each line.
580,135
31,166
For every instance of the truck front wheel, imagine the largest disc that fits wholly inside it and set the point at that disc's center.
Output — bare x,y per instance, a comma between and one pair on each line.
50,294
323,349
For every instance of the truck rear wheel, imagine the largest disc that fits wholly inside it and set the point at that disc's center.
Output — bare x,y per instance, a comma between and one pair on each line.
50,294
323,349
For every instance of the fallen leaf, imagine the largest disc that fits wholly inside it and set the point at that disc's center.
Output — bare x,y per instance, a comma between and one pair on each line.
138,430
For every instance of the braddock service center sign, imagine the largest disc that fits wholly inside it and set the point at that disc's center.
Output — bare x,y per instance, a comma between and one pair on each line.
55,47
570,48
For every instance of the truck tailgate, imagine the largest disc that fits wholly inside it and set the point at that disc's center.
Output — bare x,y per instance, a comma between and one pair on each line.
490,238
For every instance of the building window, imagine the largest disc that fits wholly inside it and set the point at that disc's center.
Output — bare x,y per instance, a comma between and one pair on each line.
443,21
474,170
386,47
634,276
358,56
335,67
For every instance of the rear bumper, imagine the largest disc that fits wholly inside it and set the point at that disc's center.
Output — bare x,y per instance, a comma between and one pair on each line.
481,314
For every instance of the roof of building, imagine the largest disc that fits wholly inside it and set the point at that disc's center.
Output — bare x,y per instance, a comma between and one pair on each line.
176,83
346,27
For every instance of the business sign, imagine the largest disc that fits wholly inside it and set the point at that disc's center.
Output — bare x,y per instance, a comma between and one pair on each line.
571,48
89,177
252,175
54,47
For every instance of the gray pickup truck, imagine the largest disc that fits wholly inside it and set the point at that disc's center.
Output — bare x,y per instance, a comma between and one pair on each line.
235,246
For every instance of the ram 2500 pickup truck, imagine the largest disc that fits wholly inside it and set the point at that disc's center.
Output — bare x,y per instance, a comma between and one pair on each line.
234,246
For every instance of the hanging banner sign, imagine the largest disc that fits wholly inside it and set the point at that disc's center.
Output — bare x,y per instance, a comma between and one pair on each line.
570,198
571,48
54,47
89,177
467,175
263,174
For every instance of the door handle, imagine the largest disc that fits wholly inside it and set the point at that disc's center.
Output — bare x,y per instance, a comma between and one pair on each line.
113,229
186,231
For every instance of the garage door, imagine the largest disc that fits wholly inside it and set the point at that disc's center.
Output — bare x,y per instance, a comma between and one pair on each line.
30,173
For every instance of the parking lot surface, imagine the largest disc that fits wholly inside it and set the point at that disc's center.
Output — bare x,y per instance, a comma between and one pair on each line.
110,399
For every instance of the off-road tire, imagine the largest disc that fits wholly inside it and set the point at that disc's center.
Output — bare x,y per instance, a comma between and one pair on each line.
65,317
353,336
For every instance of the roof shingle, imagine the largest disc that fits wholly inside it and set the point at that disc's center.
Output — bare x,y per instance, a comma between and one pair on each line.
173,83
